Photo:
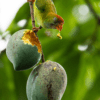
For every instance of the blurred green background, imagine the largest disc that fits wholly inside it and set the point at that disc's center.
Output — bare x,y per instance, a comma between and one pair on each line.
78,52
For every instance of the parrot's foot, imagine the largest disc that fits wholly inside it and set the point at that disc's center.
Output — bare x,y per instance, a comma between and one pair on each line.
36,29
31,1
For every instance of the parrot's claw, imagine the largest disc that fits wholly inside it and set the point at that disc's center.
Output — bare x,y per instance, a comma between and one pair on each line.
36,29
31,1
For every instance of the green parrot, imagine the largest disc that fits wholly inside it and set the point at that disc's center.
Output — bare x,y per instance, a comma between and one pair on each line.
46,15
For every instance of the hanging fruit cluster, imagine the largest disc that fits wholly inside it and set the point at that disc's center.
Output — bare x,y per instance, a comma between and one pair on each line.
48,80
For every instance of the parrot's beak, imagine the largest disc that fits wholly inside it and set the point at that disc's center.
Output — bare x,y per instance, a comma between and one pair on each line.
60,23
59,27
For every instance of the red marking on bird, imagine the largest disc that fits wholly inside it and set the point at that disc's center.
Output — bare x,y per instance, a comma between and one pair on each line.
61,22
59,27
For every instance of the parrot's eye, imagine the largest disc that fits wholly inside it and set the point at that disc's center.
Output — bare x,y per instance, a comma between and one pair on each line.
51,24
43,9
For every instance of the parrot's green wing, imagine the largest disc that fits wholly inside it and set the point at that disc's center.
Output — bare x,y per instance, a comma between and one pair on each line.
45,6
42,8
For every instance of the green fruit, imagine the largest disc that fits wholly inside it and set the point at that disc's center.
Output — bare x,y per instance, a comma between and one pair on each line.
24,49
46,82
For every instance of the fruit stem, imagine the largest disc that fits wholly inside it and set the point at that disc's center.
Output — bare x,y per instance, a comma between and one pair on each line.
42,57
97,18
31,2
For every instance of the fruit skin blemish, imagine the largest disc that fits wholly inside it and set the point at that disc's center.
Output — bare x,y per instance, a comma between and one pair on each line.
29,37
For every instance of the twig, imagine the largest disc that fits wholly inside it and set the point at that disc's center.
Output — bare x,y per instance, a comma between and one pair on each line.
33,23
97,17
94,35
32,13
